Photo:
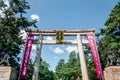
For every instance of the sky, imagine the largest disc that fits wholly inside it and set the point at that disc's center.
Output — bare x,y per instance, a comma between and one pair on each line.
67,15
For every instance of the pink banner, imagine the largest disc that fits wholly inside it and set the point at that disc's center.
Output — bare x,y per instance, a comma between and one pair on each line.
95,54
26,57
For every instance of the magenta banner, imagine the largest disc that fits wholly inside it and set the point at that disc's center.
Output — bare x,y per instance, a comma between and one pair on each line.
93,47
26,57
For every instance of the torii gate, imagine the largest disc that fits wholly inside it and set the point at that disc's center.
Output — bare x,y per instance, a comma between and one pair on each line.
79,41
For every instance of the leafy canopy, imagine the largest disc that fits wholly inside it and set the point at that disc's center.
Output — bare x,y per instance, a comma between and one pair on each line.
12,22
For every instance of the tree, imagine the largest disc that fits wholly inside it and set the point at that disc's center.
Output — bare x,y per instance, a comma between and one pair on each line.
109,41
44,72
60,65
70,70
11,23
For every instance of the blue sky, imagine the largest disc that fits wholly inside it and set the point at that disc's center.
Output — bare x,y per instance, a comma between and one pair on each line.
67,15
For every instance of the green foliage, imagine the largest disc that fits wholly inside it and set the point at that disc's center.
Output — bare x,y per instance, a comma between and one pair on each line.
108,41
11,22
44,73
70,70
60,65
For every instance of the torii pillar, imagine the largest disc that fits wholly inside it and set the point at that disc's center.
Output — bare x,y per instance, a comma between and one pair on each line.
82,58
79,42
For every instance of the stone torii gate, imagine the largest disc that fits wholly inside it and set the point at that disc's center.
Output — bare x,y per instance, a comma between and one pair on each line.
79,41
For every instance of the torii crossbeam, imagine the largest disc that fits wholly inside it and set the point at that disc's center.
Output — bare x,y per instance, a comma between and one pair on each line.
78,40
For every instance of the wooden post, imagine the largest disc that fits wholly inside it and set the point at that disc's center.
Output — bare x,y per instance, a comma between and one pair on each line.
37,58
82,58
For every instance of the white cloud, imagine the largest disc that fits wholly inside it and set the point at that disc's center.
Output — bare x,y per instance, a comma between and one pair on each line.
23,34
48,38
71,48
35,17
57,50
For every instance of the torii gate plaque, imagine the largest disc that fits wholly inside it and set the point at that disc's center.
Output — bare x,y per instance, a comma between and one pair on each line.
79,41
